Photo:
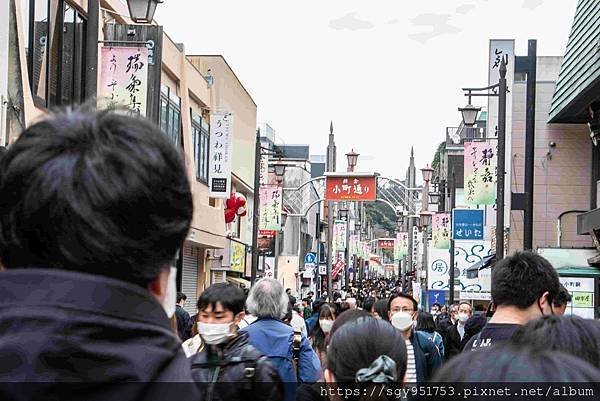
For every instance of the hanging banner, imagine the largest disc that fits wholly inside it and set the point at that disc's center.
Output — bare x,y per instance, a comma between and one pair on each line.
339,236
480,172
354,244
401,249
351,188
440,231
269,210
238,257
467,253
438,269
124,78
221,152
386,243
264,170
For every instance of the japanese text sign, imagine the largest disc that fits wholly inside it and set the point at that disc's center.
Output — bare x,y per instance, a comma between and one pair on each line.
339,236
221,152
401,248
238,257
271,200
264,170
582,291
467,224
440,231
124,78
481,172
386,243
351,188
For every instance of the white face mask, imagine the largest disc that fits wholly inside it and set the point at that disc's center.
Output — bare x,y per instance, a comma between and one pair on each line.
168,303
402,320
214,333
326,325
463,317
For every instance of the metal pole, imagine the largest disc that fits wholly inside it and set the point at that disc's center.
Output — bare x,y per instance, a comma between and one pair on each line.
411,225
329,248
530,145
347,255
255,205
318,238
452,206
91,45
501,162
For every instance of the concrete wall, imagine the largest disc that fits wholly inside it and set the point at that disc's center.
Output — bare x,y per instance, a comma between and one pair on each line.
561,174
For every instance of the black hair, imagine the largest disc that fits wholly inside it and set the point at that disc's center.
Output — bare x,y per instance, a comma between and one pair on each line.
563,297
357,343
348,316
231,297
521,279
381,307
436,304
570,334
368,303
100,193
316,307
181,296
317,334
405,296
425,322
509,363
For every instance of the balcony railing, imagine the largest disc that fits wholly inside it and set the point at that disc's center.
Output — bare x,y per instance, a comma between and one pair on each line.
462,134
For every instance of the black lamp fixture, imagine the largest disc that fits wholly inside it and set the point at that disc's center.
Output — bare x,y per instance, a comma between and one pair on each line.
469,114
142,11
279,172
434,195
343,214
425,218
352,159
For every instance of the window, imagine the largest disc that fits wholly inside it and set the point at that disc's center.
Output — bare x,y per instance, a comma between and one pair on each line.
201,138
170,118
56,52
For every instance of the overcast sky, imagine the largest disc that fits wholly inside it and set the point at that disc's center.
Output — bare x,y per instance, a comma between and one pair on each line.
387,72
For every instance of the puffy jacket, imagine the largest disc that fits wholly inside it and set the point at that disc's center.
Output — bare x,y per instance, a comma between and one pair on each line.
275,339
215,369
61,326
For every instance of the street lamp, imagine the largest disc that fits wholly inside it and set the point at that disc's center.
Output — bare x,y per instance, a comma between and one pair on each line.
352,159
427,173
425,218
469,114
343,214
279,172
142,11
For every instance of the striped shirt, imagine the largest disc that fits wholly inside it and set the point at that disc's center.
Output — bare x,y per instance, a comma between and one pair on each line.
411,367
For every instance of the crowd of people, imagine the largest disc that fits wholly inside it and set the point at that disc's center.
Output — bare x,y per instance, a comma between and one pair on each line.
93,209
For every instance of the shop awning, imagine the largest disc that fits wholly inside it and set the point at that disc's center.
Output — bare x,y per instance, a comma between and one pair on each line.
485,262
240,282
578,272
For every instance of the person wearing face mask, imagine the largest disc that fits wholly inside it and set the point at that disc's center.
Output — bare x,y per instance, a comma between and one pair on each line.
226,355
524,286
456,332
423,356
320,334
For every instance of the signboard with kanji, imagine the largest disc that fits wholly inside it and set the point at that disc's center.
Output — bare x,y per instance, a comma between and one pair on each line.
582,293
351,188
339,235
386,243
481,172
440,231
271,199
237,257
221,144
124,78
467,224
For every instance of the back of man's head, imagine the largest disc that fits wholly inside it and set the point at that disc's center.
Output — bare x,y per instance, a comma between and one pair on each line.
267,299
521,279
102,193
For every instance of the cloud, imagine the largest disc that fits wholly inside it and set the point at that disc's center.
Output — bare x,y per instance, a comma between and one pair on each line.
532,4
438,23
393,21
350,22
465,8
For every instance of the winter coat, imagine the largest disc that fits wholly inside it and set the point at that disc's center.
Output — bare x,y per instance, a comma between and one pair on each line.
237,371
62,326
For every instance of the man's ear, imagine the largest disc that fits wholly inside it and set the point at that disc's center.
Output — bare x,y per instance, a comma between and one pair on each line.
329,376
238,318
158,286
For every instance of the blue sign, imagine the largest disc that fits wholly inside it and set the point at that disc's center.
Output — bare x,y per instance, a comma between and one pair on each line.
467,224
436,297
310,258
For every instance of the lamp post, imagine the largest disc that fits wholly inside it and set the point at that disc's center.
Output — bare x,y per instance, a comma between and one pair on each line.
343,215
468,119
352,160
142,11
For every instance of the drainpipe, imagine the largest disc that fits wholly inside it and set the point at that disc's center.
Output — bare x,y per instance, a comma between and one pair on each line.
558,224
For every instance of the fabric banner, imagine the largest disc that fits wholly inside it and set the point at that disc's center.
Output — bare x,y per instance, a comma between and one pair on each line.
467,253
270,210
124,78
480,172
438,270
401,248
339,236
221,154
354,244
440,231
264,170
237,257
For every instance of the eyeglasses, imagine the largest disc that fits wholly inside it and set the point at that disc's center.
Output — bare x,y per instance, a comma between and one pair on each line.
407,310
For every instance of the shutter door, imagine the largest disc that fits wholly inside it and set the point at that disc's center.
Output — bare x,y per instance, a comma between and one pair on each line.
189,277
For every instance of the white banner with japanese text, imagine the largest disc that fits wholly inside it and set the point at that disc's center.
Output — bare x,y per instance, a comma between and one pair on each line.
221,154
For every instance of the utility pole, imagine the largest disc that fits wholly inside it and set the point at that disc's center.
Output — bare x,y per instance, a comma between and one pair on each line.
530,145
91,54
452,206
330,167
255,205
501,162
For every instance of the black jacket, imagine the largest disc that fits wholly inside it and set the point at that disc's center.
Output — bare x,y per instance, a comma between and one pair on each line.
183,323
237,371
453,343
59,326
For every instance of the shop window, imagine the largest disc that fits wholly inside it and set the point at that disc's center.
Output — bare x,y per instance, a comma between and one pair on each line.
55,37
